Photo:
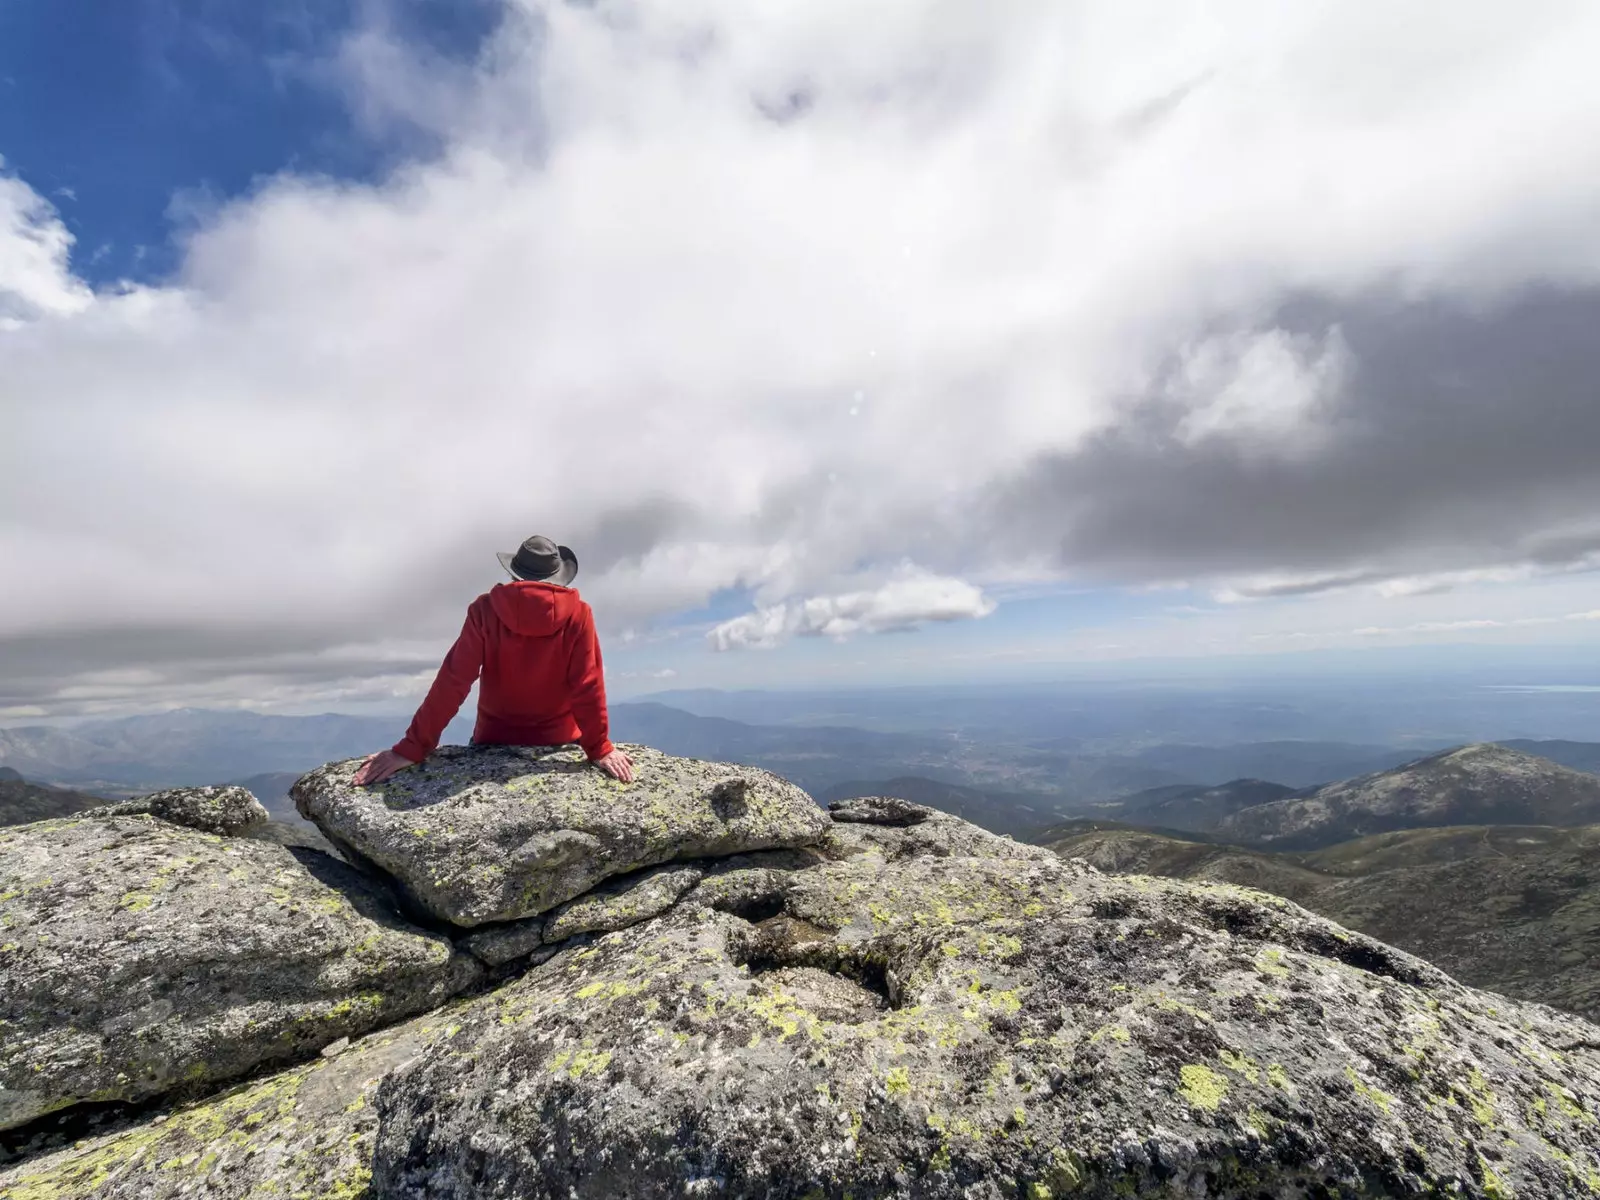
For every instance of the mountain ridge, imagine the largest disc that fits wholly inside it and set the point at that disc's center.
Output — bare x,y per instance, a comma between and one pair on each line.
1482,783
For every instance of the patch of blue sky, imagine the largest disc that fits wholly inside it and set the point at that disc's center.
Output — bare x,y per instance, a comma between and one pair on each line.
126,114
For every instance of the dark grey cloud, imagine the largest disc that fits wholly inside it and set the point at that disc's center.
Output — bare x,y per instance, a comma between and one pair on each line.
1462,439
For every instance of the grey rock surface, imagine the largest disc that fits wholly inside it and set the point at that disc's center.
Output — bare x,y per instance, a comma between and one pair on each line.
304,1132
226,810
879,810
939,834
498,833
622,902
897,1022
498,945
138,957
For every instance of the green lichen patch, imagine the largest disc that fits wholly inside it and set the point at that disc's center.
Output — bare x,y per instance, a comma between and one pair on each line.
1201,1086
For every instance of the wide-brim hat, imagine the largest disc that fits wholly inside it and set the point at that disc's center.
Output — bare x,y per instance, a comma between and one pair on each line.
539,560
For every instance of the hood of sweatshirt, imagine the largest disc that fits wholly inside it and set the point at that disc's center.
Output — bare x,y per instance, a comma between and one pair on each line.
534,609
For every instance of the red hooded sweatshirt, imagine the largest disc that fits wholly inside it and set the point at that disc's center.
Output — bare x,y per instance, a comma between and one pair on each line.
543,682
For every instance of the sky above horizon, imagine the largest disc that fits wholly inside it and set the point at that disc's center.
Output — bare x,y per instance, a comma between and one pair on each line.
973,343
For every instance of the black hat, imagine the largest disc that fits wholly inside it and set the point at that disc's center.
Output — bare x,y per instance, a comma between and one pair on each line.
539,560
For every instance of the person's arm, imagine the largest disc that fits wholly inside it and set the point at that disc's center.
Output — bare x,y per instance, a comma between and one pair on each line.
457,674
586,685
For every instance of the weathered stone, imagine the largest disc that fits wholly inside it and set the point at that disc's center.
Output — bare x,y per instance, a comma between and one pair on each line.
138,957
305,1132
928,1026
228,811
939,834
879,810
498,945
498,833
622,902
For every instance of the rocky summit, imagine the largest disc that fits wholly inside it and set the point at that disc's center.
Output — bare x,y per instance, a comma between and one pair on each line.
139,956
895,1004
499,833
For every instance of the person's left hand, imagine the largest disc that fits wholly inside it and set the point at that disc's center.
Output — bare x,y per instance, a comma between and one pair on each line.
380,766
617,765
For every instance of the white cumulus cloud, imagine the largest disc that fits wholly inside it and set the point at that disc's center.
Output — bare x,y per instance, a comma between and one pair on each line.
911,599
34,246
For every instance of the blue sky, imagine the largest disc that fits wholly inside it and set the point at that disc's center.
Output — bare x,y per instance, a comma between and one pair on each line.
1028,343
135,116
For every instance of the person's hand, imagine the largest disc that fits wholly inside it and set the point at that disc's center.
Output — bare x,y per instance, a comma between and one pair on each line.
380,766
617,765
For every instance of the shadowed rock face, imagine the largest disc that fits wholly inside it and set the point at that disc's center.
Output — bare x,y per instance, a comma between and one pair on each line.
499,833
138,957
911,1024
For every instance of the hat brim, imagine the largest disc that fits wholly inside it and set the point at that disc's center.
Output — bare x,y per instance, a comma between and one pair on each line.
564,576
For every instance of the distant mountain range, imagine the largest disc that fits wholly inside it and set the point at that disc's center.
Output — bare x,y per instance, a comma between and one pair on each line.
1014,786
188,746
1453,855
1469,785
1192,808
195,746
1512,908
22,802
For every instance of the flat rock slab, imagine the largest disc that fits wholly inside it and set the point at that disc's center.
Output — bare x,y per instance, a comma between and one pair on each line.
622,902
307,1131
139,957
879,810
226,810
901,1023
498,833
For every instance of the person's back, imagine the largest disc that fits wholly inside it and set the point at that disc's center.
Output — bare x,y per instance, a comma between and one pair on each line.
539,671
532,648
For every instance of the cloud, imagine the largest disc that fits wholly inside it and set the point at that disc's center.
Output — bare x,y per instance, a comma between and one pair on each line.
912,599
760,298
34,246
1455,456
1267,385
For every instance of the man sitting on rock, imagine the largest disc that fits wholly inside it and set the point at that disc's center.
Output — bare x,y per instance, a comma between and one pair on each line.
533,642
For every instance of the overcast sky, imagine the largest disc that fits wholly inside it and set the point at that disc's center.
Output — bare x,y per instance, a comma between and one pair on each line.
869,350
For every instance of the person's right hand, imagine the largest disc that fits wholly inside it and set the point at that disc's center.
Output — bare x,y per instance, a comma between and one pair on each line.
379,767
617,765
